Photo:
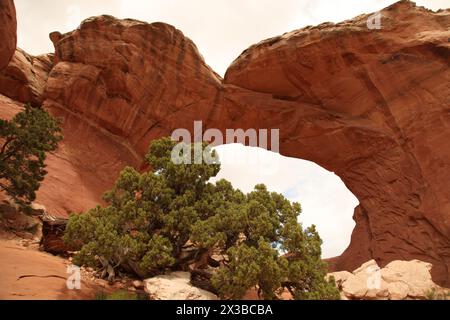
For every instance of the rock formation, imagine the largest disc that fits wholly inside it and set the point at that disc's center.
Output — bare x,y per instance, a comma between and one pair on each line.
399,280
52,233
382,99
25,77
370,105
14,223
8,27
175,286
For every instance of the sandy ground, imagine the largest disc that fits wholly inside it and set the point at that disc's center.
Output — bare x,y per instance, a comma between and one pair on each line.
28,274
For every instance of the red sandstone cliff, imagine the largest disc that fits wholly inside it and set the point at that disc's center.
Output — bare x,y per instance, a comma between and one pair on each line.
371,105
8,27
25,77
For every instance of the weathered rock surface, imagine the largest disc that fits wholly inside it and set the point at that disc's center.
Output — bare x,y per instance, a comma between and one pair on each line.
370,105
415,273
14,223
137,81
52,233
399,280
81,170
28,274
175,286
8,29
379,119
25,77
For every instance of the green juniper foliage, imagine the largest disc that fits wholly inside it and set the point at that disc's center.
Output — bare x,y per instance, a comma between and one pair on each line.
150,216
119,295
24,141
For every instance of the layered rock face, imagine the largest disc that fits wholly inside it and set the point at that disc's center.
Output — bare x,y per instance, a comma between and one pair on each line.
370,105
8,29
25,77
130,78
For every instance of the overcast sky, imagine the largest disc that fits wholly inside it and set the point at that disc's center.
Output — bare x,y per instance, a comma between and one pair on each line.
222,29
325,200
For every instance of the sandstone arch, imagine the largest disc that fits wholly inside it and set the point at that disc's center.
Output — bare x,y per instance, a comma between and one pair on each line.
371,106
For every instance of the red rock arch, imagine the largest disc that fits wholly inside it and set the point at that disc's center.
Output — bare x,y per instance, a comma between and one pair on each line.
371,106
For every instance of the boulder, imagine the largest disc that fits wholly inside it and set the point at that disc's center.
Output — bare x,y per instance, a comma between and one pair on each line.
52,233
175,286
364,282
355,287
25,77
397,281
375,101
398,290
415,274
367,268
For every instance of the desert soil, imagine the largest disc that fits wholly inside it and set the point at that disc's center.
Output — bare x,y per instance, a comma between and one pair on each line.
27,273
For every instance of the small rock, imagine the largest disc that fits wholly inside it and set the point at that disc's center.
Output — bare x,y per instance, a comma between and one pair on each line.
38,209
138,284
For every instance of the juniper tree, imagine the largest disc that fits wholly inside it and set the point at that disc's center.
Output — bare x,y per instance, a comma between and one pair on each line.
274,251
150,216
24,142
